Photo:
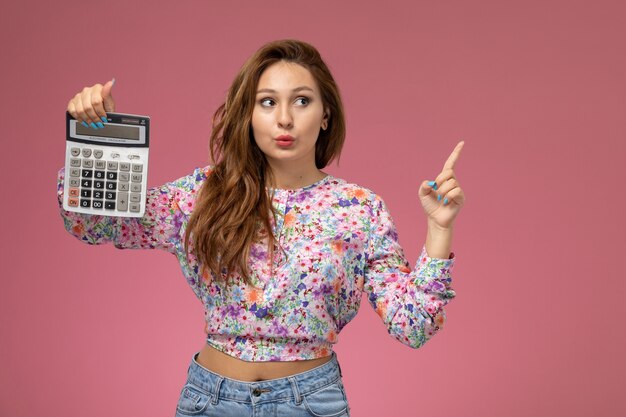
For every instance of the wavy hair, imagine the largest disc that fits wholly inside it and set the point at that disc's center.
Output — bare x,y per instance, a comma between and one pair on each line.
233,207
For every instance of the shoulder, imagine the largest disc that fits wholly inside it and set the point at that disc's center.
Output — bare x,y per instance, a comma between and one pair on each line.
350,193
185,189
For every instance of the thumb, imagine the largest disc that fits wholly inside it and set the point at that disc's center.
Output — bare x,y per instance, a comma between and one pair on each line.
107,98
425,188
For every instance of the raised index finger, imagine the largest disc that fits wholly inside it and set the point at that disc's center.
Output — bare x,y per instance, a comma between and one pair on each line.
454,156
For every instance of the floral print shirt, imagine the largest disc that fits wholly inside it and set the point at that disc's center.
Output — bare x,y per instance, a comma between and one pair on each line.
338,241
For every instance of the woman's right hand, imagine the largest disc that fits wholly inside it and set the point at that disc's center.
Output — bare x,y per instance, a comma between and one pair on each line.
91,105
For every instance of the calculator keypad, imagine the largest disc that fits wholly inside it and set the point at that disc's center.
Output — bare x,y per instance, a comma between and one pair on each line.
103,181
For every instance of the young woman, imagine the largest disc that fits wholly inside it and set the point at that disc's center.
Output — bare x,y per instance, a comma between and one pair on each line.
278,251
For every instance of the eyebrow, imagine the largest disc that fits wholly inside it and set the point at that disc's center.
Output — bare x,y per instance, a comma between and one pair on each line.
295,90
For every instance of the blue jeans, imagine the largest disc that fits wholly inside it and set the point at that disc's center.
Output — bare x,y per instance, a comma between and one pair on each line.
317,392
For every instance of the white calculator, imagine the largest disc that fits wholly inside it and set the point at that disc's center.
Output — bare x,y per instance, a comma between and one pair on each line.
106,169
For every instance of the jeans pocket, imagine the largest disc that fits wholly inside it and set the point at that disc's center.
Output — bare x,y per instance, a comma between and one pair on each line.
329,401
192,401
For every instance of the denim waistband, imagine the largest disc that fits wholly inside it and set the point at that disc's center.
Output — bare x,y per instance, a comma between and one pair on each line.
293,386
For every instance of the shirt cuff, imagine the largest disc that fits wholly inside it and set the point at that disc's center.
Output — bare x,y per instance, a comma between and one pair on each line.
434,274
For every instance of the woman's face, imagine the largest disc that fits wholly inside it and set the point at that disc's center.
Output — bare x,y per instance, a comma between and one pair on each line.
288,114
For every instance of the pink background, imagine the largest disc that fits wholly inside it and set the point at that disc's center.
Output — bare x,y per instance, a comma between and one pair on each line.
537,89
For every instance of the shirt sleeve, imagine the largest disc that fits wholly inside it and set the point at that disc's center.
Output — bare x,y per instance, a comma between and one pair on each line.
409,301
167,207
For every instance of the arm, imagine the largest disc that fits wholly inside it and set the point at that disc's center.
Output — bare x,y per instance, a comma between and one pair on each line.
167,207
410,302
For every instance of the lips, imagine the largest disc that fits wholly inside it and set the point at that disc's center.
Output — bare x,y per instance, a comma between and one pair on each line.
284,140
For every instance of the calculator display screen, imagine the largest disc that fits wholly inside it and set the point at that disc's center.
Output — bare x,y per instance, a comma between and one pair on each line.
110,131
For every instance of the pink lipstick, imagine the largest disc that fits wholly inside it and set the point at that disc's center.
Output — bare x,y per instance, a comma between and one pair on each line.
284,141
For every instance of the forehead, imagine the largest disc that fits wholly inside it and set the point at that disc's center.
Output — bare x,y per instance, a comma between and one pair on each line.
286,76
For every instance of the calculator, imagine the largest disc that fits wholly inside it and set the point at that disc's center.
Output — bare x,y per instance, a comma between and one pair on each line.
106,169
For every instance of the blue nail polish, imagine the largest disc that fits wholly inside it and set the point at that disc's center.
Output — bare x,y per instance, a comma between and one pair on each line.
100,125
104,119
84,124
431,183
92,124
435,187
445,201
439,197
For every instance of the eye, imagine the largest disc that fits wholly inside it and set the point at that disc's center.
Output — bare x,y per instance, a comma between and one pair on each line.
303,101
266,102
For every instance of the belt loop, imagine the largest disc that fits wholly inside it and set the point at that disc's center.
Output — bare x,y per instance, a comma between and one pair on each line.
216,391
296,392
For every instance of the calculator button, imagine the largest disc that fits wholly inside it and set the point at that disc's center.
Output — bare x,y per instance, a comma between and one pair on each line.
72,202
97,153
75,151
75,162
122,201
125,166
86,183
98,194
74,182
123,186
136,177
74,172
111,185
98,184
109,195
135,198
135,188
85,203
124,176
112,166
85,193
87,163
99,175
97,204
134,207
101,164
74,192
87,173
111,175
109,205
86,152
137,167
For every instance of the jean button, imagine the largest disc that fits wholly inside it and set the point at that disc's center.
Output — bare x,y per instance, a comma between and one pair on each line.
256,392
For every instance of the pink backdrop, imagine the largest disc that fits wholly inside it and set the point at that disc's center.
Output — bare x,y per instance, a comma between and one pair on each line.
536,89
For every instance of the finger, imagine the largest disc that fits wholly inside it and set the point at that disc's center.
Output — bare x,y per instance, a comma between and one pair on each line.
456,196
444,176
454,156
97,103
425,189
446,187
71,109
80,111
92,118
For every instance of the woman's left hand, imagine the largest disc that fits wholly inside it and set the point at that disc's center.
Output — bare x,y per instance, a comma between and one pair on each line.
443,198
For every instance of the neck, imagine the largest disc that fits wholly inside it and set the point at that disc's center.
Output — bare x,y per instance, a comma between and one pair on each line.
295,177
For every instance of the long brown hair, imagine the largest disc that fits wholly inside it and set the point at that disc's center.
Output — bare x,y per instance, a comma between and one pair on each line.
233,208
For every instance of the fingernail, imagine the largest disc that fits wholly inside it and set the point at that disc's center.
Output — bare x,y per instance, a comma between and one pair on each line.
104,119
84,124
435,187
431,183
113,82
100,125
92,124
439,197
445,201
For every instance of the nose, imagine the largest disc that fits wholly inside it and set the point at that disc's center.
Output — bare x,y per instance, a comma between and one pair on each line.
284,117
